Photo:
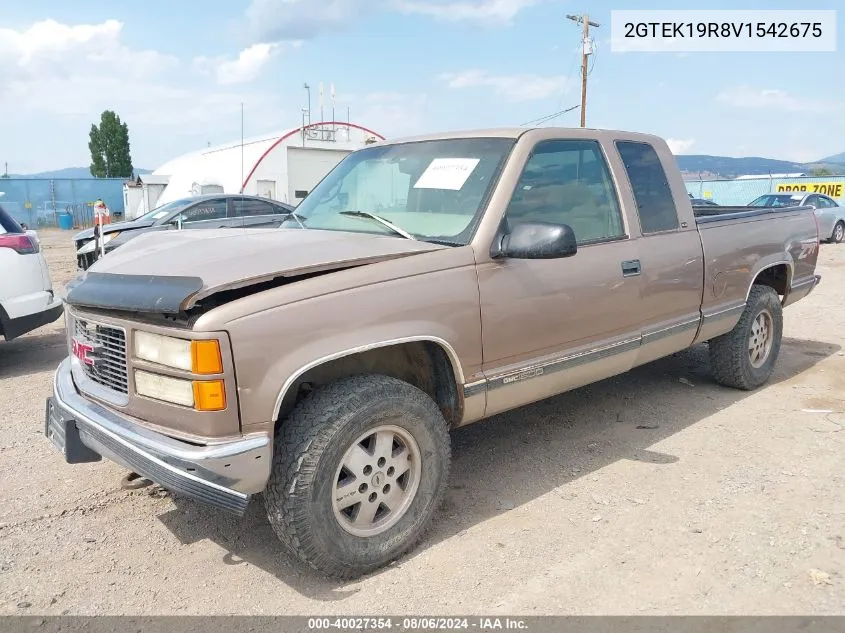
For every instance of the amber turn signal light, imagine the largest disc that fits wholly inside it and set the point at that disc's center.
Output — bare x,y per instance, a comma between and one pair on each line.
206,358
209,395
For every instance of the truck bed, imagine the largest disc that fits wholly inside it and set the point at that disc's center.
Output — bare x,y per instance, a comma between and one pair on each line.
707,214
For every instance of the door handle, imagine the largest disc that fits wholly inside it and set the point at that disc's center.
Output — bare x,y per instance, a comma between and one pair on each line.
631,268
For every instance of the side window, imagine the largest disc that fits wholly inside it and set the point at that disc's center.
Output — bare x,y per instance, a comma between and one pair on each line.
246,207
814,201
655,204
213,209
568,182
826,203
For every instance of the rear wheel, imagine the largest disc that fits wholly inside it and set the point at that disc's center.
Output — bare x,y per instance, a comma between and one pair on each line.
838,232
359,468
745,357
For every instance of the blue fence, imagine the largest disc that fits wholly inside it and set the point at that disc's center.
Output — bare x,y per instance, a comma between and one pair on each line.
741,192
39,202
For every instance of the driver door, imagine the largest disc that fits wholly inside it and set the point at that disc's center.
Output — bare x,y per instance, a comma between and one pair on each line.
549,325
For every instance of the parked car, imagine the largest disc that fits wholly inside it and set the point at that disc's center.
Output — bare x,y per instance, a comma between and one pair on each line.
210,211
26,292
830,215
324,363
703,202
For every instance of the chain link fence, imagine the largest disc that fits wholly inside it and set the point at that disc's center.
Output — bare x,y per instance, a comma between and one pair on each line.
742,191
39,203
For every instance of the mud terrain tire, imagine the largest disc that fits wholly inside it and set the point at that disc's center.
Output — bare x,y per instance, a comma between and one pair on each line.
312,449
745,357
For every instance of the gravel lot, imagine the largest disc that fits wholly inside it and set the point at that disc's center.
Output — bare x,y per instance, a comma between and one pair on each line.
643,494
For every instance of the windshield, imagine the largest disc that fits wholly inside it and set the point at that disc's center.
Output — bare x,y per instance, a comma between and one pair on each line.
772,200
166,209
433,190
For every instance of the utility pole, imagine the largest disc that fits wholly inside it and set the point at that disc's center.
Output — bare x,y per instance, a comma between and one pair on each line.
586,51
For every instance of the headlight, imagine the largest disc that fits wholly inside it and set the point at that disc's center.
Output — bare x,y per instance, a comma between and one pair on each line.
165,388
90,246
198,357
202,395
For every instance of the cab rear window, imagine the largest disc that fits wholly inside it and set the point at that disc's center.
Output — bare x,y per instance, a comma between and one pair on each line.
650,185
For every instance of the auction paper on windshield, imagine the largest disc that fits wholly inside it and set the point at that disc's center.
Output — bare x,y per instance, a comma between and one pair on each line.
447,173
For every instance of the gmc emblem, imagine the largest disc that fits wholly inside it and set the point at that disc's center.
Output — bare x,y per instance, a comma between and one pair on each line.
81,351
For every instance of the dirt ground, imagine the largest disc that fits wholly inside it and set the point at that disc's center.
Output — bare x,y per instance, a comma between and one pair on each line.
656,492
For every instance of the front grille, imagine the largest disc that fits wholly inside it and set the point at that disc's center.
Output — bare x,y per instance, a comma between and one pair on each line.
108,354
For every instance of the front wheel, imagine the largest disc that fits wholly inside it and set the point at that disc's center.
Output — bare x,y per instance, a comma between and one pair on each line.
838,232
359,468
744,358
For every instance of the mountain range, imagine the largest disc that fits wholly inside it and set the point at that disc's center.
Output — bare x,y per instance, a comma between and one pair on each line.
692,166
700,165
70,172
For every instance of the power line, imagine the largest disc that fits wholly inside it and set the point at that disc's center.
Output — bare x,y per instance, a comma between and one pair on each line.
594,55
549,117
568,74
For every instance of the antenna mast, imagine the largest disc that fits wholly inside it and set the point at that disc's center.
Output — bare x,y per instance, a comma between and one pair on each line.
331,90
242,147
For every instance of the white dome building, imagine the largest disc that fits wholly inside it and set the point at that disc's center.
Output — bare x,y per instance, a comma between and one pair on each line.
283,166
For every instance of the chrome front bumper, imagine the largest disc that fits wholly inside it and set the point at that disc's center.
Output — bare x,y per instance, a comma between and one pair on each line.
224,474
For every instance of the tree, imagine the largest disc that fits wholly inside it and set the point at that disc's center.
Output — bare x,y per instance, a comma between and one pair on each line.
109,145
820,171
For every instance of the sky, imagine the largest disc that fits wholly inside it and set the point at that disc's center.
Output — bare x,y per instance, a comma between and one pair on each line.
177,72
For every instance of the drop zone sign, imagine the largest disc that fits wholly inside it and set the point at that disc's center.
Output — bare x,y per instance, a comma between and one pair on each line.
832,189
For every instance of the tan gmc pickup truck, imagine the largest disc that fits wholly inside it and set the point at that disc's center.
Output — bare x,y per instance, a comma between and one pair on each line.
424,284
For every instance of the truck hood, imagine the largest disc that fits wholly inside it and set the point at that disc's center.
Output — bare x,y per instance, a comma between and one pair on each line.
171,272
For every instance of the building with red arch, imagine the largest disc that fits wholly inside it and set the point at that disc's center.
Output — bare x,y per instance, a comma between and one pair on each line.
283,166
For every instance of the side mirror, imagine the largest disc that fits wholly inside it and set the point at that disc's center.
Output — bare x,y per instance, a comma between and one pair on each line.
537,240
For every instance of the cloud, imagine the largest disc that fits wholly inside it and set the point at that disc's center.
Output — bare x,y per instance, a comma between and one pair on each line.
768,99
246,67
51,49
286,20
680,145
393,114
485,11
515,88
58,78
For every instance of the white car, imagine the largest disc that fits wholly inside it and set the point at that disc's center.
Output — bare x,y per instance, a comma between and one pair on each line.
26,292
830,216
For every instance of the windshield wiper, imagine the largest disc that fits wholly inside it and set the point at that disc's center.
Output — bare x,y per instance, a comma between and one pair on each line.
298,218
387,223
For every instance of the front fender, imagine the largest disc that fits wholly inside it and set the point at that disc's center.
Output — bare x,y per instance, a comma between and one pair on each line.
274,347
